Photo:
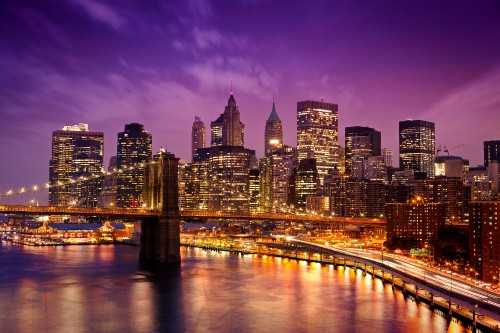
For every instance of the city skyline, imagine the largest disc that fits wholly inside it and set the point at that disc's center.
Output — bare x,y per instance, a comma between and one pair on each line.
161,65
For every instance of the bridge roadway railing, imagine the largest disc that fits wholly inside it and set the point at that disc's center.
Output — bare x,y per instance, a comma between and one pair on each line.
407,277
79,211
141,212
295,217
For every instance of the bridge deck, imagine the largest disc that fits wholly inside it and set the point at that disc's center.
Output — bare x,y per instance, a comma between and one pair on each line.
142,213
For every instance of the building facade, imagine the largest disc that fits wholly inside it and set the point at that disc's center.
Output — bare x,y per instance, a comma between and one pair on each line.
275,172
107,197
417,221
484,239
491,151
373,143
306,178
273,133
228,173
198,136
77,154
134,148
317,135
417,147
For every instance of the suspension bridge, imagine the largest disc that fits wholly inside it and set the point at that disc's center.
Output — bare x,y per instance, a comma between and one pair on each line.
160,238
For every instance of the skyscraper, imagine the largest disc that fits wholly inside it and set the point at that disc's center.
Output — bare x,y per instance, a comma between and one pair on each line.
317,134
232,127
228,162
198,136
306,182
491,151
77,153
274,133
417,147
275,171
387,156
484,236
134,147
374,143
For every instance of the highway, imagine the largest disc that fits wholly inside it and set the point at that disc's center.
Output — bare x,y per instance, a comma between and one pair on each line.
442,280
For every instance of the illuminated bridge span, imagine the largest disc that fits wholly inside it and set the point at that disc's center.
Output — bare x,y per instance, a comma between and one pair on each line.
78,211
145,213
281,217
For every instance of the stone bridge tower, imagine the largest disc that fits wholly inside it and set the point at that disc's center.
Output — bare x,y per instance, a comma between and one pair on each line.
160,237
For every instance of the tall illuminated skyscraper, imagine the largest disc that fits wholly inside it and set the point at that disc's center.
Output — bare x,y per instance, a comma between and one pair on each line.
77,153
273,134
232,127
317,134
417,147
134,147
198,136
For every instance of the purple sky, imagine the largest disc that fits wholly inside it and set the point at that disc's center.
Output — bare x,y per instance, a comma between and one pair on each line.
160,63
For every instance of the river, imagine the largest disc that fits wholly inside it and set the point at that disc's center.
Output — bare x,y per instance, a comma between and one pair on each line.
102,288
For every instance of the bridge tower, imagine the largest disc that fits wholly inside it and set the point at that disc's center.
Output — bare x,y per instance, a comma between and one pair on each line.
160,237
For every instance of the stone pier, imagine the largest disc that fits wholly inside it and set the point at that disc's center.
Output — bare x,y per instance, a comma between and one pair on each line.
160,237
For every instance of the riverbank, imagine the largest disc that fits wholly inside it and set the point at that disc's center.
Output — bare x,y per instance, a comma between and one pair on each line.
466,317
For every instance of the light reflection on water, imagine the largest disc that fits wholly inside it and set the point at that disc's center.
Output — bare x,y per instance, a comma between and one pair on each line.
103,289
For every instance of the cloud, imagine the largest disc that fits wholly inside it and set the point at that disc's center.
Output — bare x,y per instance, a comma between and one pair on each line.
218,72
102,13
469,115
207,38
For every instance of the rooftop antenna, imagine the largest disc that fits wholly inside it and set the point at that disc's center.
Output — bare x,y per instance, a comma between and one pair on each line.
231,86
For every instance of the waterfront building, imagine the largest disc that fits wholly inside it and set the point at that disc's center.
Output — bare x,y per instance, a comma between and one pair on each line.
77,154
317,135
387,155
273,133
484,239
275,172
416,221
417,147
134,148
198,136
107,197
371,144
491,151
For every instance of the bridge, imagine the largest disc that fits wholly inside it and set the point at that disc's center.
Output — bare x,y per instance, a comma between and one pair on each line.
184,214
160,235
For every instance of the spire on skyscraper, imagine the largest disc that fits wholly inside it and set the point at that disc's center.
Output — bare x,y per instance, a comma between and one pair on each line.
273,133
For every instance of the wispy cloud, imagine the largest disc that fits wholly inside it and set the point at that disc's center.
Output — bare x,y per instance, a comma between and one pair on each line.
102,13
217,73
474,107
